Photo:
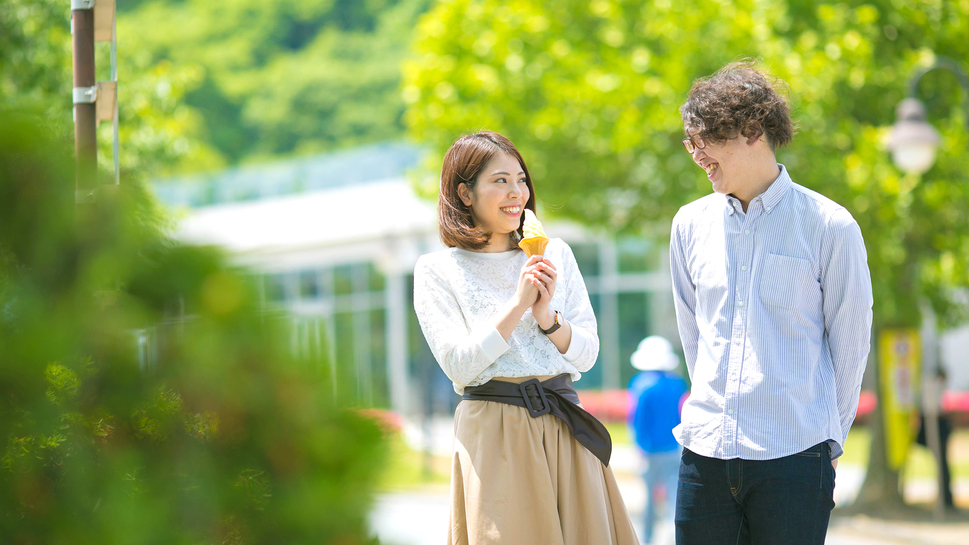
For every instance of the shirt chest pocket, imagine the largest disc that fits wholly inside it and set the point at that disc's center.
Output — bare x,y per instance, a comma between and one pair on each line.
788,282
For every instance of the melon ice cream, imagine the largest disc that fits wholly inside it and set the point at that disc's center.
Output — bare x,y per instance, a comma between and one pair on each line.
534,239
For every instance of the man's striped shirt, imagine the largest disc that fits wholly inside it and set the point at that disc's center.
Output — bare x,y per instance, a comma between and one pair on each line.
774,311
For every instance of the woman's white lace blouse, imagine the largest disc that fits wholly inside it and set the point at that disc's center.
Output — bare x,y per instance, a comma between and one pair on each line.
457,295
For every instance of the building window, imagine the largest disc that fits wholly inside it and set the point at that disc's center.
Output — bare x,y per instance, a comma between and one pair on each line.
375,279
634,255
634,324
587,258
343,280
275,288
309,284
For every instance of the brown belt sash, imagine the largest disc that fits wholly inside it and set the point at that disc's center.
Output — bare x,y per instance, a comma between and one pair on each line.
555,396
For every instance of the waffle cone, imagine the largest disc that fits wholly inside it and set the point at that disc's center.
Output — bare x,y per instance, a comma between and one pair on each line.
533,245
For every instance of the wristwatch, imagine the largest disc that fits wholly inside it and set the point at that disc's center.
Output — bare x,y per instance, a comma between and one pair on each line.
559,320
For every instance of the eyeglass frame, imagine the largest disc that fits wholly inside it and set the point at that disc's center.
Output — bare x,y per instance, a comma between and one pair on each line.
692,146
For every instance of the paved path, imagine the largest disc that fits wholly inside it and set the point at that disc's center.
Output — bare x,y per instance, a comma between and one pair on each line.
421,517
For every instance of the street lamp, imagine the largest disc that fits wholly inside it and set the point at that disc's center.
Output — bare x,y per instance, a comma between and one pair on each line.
913,140
913,144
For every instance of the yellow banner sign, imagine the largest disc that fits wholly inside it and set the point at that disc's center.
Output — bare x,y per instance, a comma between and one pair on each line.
900,359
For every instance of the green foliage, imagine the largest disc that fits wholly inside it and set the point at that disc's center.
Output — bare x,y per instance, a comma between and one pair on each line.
157,131
283,76
590,92
409,469
206,82
143,396
35,52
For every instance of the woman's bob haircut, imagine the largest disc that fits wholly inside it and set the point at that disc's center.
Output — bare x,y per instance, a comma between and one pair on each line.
462,164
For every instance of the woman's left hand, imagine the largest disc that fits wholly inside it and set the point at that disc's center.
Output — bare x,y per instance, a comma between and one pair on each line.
544,278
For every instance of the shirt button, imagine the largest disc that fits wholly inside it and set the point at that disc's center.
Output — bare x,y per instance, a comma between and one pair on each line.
747,232
744,268
729,411
741,303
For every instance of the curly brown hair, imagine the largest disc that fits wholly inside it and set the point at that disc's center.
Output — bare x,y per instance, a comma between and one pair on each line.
738,100
462,164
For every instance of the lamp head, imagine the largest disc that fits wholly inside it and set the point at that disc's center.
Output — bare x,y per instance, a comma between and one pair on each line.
913,140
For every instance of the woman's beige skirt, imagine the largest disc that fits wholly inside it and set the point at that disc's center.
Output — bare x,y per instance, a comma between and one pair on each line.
522,480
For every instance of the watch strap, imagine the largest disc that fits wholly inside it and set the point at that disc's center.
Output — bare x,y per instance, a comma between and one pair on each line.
555,326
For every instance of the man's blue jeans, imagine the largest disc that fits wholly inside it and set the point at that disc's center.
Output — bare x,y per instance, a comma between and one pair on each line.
786,501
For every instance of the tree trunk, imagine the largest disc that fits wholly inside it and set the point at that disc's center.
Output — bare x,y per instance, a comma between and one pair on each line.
881,486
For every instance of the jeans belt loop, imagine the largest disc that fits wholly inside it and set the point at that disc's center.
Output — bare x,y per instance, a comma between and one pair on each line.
546,408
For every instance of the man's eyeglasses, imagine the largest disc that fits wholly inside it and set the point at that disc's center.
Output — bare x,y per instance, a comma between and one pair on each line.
693,143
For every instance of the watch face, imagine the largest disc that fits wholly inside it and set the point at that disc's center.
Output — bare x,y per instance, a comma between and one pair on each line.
557,323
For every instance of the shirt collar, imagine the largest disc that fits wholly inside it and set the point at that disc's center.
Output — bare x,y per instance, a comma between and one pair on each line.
770,198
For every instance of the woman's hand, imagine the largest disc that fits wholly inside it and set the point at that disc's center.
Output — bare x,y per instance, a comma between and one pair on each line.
536,286
544,278
527,292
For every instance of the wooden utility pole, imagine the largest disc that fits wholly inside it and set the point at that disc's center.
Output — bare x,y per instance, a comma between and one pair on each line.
85,94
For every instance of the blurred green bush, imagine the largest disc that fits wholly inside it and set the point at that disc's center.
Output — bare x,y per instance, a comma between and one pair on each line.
144,397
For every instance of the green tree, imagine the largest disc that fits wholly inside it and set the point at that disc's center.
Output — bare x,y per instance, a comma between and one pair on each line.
157,131
144,398
590,93
35,41
283,76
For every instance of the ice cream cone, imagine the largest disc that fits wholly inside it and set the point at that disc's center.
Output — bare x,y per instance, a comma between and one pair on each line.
534,240
533,245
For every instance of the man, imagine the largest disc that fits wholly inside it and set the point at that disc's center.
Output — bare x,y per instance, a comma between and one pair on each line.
773,303
931,409
656,394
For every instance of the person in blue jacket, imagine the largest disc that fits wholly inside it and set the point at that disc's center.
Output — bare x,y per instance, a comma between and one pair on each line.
655,396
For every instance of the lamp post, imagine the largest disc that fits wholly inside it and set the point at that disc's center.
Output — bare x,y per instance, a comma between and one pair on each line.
913,144
914,141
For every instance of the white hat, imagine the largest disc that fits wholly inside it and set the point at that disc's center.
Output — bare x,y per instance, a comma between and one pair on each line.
654,353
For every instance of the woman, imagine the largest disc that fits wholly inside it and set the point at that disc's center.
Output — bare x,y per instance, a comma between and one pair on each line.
512,332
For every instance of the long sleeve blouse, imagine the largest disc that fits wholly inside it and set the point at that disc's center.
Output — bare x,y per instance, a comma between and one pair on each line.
457,295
